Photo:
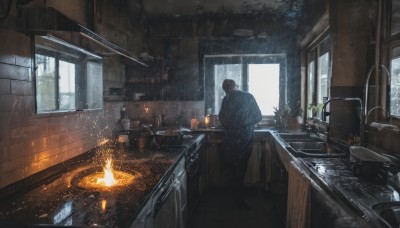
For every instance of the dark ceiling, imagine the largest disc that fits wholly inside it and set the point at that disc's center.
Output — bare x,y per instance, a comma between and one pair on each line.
192,7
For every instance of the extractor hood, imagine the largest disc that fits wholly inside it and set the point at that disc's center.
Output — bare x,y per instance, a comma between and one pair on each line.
49,21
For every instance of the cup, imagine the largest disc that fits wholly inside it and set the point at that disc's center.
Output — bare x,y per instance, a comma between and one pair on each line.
143,143
126,124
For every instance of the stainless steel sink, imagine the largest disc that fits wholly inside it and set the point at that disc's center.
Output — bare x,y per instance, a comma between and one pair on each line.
389,212
306,145
299,137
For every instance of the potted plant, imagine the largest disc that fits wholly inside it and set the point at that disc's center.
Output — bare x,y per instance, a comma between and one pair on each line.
315,109
289,117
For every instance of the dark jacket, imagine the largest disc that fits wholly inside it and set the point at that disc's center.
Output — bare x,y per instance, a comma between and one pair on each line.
239,111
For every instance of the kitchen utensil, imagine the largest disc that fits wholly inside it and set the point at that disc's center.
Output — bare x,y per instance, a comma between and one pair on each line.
126,124
167,138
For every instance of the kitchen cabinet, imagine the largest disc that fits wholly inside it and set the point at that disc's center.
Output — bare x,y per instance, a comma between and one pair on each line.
167,206
147,83
170,202
145,216
329,212
212,163
172,75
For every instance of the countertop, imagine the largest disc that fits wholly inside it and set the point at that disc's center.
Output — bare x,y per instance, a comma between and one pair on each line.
361,195
56,201
336,176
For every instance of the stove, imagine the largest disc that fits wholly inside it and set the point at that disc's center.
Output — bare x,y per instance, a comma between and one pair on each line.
59,199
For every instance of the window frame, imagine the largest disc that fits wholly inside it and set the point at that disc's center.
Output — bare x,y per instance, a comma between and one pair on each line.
63,51
319,46
389,42
244,60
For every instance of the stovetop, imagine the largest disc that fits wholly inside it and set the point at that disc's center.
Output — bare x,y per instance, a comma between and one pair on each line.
56,201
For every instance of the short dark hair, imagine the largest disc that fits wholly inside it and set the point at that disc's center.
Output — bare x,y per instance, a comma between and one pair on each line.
228,85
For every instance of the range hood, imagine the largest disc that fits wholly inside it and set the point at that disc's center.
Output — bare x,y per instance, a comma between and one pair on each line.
49,21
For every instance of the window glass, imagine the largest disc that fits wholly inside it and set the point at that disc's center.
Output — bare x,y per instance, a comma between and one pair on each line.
310,85
94,85
395,19
45,83
264,85
395,87
222,72
66,85
264,76
323,87
318,75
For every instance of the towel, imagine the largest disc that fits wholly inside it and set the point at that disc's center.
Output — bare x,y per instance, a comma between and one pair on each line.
258,170
252,175
381,126
299,198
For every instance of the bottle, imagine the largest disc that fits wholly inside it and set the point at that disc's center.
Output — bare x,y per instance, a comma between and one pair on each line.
123,112
158,121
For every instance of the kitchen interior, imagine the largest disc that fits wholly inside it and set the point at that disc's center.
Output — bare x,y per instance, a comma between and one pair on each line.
128,136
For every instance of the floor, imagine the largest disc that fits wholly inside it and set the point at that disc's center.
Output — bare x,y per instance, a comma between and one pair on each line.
217,209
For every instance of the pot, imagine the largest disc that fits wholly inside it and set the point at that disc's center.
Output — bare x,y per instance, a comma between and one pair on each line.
167,138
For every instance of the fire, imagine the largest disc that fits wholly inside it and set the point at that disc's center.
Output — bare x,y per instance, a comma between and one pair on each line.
108,179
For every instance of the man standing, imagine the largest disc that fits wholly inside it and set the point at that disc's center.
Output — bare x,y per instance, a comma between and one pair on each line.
238,115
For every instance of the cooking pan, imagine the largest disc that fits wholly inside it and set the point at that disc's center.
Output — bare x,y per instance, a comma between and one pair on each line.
167,138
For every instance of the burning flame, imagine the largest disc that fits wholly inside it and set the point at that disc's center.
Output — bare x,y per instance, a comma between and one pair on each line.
103,205
108,179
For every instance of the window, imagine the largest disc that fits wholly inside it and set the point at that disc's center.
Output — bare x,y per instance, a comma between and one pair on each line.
67,77
395,82
392,41
318,73
264,85
260,75
222,72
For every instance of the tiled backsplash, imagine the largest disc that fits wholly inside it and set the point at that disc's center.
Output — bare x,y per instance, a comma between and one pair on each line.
175,113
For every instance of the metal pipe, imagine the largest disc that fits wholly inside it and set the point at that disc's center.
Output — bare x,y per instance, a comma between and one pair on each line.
366,86
372,109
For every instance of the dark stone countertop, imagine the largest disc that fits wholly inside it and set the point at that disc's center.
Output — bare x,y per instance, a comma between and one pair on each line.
337,175
56,201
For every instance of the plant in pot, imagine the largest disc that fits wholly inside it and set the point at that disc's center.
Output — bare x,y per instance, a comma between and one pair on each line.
281,116
288,117
315,109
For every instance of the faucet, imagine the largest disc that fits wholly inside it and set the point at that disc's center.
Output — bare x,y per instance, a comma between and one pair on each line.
372,109
366,87
324,113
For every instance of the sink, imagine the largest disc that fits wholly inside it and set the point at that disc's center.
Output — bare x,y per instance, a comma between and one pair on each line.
299,137
389,212
306,145
360,153
322,150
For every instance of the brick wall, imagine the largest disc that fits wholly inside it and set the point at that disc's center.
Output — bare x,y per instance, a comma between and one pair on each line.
30,143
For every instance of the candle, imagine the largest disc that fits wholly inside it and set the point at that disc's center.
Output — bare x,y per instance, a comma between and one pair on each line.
193,123
207,121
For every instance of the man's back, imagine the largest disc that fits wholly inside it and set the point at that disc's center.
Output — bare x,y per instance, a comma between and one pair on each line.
238,110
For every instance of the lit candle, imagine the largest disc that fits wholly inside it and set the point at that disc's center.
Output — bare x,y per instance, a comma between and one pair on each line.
103,205
207,121
193,123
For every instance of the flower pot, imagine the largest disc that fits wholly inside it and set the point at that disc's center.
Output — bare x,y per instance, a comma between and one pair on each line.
293,124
